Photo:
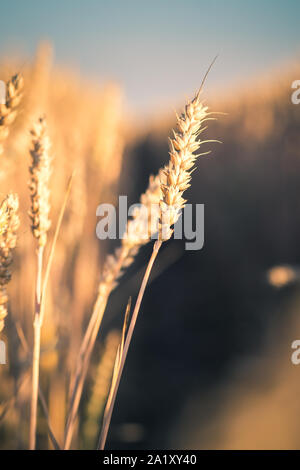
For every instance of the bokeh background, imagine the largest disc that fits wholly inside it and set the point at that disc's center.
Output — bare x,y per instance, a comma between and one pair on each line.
210,363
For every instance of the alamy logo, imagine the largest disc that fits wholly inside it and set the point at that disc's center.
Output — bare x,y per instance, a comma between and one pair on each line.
295,357
2,92
2,352
296,94
144,224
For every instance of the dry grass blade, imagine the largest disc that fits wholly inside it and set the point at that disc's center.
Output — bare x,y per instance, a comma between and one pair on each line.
46,413
25,346
11,401
121,357
52,251
101,386
125,324
114,383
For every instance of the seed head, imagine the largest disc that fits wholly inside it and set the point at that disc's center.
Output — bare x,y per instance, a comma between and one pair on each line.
176,176
8,111
40,171
140,228
9,224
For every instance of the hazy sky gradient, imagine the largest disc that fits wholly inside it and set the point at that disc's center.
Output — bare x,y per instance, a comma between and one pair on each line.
158,50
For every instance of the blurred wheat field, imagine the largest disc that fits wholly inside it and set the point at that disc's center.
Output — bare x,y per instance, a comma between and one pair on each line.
86,128
92,139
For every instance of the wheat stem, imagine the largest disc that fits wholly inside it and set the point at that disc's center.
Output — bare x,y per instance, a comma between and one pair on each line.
43,403
36,350
53,246
81,374
115,385
114,265
40,223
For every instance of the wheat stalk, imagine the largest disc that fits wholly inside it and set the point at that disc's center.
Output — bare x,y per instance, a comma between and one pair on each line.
40,224
43,403
9,224
139,229
8,110
114,382
169,186
175,179
101,386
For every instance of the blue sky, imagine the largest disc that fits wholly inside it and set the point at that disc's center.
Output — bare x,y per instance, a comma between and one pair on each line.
158,50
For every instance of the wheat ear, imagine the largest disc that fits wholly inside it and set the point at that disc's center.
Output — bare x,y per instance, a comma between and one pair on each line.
174,181
40,224
9,224
8,110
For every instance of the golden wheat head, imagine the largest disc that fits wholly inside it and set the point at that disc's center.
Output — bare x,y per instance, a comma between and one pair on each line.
40,171
9,224
176,176
140,228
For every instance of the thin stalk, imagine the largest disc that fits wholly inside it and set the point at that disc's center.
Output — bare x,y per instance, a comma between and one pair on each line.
39,316
115,384
53,246
83,348
12,401
36,350
83,361
45,410
90,335
43,403
81,375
